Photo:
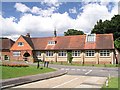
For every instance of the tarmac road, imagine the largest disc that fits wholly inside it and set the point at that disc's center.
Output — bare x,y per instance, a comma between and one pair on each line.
88,71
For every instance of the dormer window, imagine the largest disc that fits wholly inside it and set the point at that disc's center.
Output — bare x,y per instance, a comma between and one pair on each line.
51,42
20,44
91,38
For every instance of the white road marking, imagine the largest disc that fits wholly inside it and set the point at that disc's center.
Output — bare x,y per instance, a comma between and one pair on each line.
88,72
78,69
64,83
84,70
73,69
62,68
67,68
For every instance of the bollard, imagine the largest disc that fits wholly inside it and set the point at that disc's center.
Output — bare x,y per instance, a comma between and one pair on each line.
106,83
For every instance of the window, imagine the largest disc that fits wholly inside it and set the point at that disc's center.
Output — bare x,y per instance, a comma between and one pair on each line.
75,53
90,53
49,53
91,38
38,53
62,53
20,43
16,53
51,42
104,53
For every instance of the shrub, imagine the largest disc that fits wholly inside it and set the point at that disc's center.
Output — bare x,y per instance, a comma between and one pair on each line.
14,65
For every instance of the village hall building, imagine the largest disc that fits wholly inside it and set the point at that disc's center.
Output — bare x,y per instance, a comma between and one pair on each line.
86,49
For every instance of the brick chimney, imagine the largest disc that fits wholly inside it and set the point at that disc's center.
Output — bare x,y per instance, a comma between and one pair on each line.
28,35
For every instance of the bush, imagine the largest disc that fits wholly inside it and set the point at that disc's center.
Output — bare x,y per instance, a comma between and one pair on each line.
14,65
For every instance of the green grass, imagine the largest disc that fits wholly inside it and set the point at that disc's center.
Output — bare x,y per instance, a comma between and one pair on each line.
112,84
95,65
12,72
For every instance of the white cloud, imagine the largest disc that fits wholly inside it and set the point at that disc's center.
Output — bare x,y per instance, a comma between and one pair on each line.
35,10
39,24
21,7
73,10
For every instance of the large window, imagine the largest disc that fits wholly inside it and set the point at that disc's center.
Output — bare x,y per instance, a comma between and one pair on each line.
38,53
20,44
75,53
16,53
62,53
104,53
49,53
90,53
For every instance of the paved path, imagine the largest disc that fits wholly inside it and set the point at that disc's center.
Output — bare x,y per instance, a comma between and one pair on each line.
68,81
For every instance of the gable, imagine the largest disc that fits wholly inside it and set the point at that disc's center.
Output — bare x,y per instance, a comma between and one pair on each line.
26,45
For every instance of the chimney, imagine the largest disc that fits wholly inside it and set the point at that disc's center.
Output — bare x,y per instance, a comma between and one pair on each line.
28,35
55,33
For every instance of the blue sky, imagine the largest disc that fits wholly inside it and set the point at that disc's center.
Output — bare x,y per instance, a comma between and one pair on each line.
41,18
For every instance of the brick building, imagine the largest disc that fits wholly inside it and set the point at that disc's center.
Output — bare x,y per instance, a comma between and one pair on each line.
93,48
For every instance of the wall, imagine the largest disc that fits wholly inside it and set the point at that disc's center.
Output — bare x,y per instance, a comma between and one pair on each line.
21,57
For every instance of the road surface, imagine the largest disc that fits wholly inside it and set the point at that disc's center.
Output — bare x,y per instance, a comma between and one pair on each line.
77,77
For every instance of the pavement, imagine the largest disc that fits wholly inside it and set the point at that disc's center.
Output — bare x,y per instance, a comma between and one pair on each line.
8,83
68,81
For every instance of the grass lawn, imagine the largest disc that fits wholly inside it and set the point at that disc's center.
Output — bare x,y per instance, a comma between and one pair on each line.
12,72
96,65
112,84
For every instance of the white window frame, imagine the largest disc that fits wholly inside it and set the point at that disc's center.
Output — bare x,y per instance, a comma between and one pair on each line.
20,44
62,53
90,53
104,53
91,38
38,53
49,53
76,53
16,53
51,42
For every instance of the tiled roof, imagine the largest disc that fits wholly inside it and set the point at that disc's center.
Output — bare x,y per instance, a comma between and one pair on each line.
103,41
29,41
5,43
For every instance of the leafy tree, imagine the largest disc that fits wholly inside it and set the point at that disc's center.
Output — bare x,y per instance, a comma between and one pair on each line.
69,56
117,43
108,26
73,32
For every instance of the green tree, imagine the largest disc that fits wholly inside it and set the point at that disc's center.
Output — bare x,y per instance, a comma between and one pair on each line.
108,26
117,43
73,32
69,56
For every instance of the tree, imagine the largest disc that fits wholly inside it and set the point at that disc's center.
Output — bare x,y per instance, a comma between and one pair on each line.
73,32
108,26
117,43
69,56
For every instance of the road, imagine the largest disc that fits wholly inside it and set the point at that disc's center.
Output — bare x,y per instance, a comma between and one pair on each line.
77,77
88,71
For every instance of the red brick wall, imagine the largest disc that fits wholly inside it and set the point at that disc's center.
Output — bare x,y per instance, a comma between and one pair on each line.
5,52
21,57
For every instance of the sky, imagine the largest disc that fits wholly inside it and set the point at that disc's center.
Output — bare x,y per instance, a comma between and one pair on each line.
40,19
